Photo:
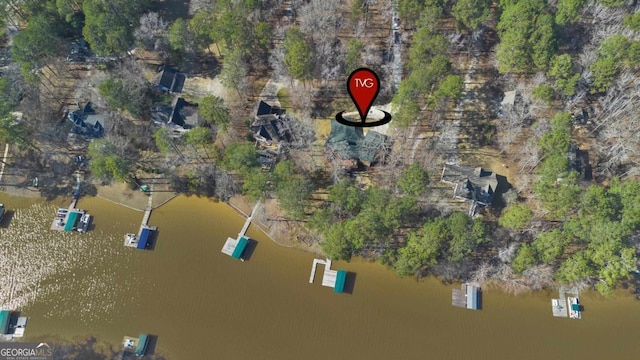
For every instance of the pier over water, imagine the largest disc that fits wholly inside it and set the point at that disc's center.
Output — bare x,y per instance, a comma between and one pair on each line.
235,247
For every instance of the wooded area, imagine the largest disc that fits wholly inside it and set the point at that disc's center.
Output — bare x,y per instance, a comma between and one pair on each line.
566,137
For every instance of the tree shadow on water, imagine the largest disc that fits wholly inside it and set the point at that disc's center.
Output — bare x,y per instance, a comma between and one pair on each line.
82,348
89,348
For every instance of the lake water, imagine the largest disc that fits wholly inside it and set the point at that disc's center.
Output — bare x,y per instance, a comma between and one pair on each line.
202,304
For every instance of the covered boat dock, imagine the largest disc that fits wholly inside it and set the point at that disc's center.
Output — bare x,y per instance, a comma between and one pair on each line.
330,278
468,296
5,316
145,236
235,247
138,345
72,220
67,219
141,347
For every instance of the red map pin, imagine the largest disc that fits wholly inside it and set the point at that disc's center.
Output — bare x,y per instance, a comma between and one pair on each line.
363,85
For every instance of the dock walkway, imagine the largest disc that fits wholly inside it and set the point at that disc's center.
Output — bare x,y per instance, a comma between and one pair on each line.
147,212
245,227
235,247
330,278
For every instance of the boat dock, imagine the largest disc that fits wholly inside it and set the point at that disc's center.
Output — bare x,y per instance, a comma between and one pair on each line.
145,233
67,219
568,304
330,278
137,345
235,247
468,296
12,325
72,218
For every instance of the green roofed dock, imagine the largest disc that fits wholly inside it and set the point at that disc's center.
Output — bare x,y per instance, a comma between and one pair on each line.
143,342
330,278
137,345
12,325
567,304
5,316
236,247
67,219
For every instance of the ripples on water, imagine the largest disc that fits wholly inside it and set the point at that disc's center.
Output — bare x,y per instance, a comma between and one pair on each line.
39,263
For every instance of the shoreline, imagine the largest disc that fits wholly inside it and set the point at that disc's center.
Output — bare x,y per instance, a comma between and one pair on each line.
238,203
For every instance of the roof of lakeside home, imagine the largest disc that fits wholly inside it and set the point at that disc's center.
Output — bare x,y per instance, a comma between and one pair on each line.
471,183
350,142
171,80
266,109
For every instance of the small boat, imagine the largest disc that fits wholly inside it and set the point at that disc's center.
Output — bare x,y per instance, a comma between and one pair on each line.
575,311
1,211
85,221
131,239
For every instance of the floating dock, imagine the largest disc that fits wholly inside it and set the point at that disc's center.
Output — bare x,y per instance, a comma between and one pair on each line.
142,240
330,278
21,325
468,296
11,325
235,247
568,304
137,345
67,219
559,307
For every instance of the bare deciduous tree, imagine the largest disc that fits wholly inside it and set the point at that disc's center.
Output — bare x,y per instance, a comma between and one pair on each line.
320,14
197,5
152,28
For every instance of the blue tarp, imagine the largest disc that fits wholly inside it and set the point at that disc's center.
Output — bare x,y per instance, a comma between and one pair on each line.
145,235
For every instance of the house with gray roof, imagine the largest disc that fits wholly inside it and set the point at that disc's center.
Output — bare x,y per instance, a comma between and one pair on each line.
270,124
476,185
352,146
86,122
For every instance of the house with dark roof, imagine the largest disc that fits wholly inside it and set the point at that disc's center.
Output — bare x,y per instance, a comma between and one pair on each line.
180,117
265,109
476,185
352,146
86,122
184,115
171,80
270,124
